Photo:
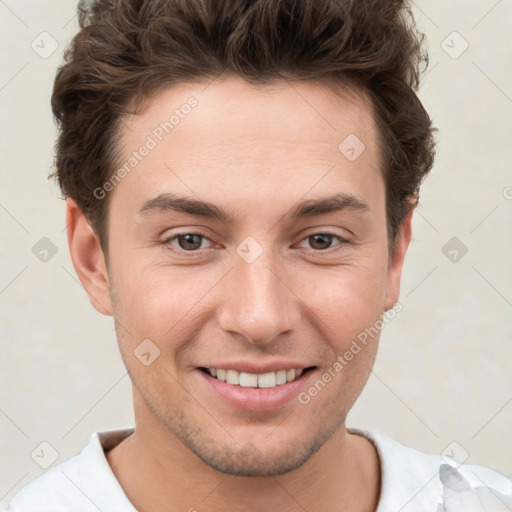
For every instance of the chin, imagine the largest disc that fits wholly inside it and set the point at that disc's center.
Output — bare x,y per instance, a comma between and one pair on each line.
259,458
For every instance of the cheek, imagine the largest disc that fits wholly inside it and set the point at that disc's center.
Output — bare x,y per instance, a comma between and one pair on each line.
345,301
165,303
158,302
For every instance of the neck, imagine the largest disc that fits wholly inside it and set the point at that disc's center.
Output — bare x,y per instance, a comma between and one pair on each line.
157,472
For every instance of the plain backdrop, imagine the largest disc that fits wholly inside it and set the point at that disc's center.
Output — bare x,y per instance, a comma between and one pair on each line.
443,379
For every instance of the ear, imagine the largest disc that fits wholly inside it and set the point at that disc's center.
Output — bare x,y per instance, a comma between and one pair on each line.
88,258
396,261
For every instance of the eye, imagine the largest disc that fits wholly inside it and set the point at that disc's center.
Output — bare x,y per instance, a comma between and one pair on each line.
196,242
323,241
186,242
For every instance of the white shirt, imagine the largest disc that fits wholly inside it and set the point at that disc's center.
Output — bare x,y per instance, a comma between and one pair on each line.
411,482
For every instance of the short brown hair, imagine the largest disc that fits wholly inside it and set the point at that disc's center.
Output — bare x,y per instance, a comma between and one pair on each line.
127,49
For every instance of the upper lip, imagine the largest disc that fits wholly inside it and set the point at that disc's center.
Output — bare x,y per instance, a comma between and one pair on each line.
251,367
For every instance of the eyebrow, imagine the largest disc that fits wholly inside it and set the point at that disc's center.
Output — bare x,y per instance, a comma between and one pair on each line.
306,208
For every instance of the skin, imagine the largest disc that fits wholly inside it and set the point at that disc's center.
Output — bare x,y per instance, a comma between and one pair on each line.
255,152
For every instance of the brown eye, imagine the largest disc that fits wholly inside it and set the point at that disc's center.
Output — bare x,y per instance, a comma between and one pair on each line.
320,241
190,241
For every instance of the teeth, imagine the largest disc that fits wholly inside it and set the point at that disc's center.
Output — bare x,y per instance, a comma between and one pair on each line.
252,380
248,380
290,375
281,377
267,380
233,377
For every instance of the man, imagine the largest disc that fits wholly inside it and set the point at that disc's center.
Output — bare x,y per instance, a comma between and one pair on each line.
240,181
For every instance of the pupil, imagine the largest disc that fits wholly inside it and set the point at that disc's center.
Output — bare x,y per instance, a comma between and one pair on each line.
190,241
322,239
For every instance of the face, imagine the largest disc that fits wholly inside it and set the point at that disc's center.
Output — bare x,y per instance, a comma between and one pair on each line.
246,244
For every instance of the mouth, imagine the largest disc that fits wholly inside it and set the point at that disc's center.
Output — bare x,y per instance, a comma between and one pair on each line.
256,380
257,392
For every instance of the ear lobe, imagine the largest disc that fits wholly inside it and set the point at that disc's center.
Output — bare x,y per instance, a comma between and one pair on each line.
88,258
396,261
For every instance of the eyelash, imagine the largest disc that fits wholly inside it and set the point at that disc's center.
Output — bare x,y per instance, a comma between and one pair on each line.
315,252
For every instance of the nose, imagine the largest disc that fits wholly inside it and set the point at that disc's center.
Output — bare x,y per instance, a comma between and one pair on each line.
259,303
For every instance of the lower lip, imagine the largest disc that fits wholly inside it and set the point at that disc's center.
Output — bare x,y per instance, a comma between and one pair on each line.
256,399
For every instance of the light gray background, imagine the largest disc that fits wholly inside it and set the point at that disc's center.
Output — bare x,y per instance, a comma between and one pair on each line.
444,368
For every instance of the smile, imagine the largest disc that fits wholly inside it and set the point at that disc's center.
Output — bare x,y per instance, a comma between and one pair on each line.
254,387
254,380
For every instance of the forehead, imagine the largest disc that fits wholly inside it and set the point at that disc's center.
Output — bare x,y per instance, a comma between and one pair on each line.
231,135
